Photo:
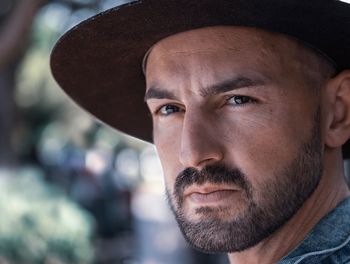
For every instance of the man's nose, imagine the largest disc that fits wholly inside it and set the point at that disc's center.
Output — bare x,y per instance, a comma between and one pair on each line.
200,142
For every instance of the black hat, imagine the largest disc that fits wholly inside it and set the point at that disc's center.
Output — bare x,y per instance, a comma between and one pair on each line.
99,62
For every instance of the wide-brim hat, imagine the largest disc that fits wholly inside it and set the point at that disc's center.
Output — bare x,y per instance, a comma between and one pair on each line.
99,62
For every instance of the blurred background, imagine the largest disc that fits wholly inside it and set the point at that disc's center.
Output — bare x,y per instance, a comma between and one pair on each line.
71,190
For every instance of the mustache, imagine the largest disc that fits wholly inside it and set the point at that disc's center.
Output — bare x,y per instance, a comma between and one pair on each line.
216,174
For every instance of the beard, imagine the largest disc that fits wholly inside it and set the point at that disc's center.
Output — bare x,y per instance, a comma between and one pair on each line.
280,198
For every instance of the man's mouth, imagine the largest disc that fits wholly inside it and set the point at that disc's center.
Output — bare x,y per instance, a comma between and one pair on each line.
209,194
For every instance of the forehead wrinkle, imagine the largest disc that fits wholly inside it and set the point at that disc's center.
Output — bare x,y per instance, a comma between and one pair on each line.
236,41
264,51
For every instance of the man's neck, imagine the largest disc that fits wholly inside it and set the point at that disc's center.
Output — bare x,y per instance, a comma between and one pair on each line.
331,190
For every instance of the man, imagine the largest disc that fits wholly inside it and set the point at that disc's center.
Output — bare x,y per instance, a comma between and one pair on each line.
250,108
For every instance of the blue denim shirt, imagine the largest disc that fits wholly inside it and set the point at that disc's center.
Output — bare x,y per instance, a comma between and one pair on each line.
328,242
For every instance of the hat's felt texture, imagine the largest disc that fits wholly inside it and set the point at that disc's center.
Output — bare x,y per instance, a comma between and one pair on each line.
99,62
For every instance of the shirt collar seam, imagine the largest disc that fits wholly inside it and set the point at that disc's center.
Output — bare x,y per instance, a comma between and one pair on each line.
324,251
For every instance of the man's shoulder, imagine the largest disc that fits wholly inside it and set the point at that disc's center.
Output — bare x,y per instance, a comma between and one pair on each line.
328,242
339,255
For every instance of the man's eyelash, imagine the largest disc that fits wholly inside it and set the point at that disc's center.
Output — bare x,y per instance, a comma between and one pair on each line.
247,100
158,110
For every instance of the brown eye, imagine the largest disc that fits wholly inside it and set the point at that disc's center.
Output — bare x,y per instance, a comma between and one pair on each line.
168,110
239,100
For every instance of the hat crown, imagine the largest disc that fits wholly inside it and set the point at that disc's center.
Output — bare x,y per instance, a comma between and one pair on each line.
99,62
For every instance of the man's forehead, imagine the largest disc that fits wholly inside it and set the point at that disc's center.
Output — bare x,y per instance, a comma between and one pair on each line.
222,38
212,46
227,48
219,51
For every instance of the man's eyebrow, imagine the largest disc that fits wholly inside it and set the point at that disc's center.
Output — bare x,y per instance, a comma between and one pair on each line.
231,84
155,92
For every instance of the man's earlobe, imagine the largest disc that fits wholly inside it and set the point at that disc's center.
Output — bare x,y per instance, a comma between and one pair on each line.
338,107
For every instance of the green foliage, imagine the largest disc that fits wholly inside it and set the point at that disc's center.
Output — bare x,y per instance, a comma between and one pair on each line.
39,223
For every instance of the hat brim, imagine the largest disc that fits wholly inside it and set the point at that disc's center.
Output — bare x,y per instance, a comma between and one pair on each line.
98,62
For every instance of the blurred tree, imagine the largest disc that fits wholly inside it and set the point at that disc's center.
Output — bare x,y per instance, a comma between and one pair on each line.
15,29
16,19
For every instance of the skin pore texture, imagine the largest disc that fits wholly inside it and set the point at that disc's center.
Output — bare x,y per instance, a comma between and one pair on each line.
248,126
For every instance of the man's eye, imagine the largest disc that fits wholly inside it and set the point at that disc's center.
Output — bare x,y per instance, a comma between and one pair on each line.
240,100
168,110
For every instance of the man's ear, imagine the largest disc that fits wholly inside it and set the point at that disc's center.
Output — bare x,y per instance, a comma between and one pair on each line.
338,110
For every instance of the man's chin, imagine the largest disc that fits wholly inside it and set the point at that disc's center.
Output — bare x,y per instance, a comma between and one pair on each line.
218,230
214,235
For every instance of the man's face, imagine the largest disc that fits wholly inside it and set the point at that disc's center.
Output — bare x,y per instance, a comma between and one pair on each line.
237,128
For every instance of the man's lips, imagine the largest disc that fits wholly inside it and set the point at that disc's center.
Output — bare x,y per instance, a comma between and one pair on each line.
209,194
212,197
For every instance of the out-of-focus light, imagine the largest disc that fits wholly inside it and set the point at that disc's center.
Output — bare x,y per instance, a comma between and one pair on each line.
158,211
80,16
51,144
107,139
112,3
96,162
151,169
345,1
53,15
127,163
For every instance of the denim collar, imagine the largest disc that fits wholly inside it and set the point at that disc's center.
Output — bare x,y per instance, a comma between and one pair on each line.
332,233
